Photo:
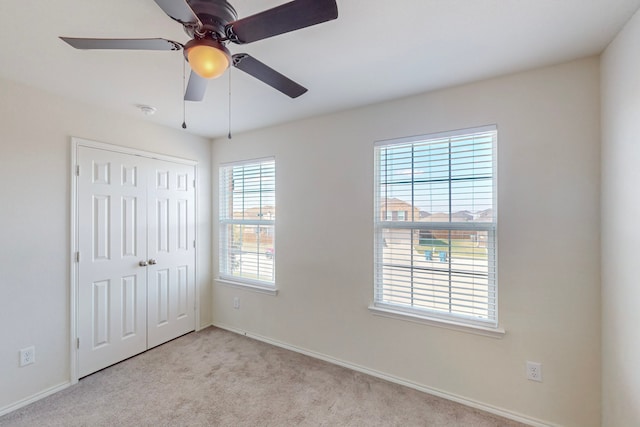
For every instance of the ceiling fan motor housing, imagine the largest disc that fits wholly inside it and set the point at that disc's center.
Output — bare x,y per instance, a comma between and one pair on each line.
214,16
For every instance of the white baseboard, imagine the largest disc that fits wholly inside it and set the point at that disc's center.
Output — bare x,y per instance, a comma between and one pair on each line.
33,398
429,390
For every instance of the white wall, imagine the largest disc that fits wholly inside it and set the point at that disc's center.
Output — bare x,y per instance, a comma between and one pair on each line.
35,133
620,232
549,244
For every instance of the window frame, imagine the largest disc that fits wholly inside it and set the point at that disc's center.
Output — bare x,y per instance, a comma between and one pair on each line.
225,218
489,327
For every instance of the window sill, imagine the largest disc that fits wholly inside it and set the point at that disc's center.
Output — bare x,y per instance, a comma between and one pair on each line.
254,287
441,323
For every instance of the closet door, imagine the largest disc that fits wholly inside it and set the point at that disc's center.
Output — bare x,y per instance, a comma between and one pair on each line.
171,251
136,248
112,242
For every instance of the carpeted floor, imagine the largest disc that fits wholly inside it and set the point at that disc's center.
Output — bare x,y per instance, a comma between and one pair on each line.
218,378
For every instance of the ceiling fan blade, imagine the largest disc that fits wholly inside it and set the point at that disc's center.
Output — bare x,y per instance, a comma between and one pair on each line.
281,19
196,88
267,75
134,44
179,10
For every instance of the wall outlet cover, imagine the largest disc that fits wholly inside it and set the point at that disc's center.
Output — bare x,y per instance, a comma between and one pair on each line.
27,356
534,371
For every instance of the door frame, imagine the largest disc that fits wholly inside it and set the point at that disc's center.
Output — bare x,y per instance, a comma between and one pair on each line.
76,143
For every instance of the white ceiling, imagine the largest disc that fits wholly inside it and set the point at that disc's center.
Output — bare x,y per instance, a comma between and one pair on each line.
376,50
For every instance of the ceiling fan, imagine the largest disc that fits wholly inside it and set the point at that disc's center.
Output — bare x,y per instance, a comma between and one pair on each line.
211,25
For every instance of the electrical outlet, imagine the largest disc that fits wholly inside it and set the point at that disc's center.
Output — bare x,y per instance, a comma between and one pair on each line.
27,356
236,303
534,371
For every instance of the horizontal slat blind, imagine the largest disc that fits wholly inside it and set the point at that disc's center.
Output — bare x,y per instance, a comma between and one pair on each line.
247,222
436,226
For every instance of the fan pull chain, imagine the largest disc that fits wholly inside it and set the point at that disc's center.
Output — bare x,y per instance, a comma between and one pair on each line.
184,114
229,134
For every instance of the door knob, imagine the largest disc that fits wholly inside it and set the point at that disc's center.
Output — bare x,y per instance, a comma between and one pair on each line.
152,261
142,263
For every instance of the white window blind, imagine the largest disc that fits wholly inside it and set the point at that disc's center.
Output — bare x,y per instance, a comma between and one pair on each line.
247,222
438,258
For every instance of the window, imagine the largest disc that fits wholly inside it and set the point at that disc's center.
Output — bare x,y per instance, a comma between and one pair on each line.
437,261
247,222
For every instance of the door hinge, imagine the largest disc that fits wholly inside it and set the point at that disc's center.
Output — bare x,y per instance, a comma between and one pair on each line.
194,244
77,343
194,183
77,256
77,170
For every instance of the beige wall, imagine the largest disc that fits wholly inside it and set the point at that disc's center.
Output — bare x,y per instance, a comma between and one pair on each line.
35,164
549,244
620,233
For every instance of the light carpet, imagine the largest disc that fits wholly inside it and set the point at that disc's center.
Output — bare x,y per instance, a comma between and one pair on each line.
218,378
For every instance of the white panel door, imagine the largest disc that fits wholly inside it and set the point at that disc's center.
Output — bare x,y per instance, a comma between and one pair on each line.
171,251
112,240
136,271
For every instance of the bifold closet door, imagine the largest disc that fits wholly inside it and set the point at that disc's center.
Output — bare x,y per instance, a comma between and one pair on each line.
136,268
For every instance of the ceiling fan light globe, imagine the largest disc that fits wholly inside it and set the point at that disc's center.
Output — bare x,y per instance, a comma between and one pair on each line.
207,61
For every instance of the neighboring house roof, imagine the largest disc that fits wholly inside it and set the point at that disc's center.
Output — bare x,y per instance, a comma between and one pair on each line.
462,215
395,202
485,215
